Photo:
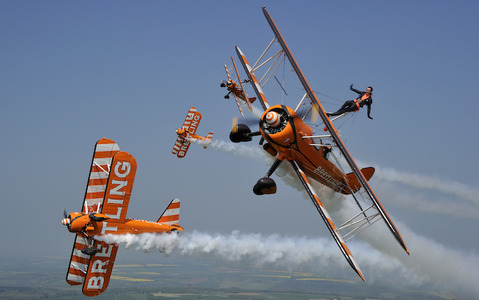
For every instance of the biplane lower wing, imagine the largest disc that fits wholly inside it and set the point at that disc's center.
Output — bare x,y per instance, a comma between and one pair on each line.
329,223
79,262
181,147
254,82
236,99
334,134
246,98
99,270
103,154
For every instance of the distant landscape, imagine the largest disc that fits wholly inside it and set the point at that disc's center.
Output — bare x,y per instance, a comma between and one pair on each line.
189,279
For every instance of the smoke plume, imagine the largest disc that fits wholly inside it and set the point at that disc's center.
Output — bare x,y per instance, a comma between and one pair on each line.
377,252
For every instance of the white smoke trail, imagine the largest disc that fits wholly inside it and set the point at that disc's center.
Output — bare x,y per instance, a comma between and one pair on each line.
398,197
293,253
428,182
238,149
429,261
241,150
413,199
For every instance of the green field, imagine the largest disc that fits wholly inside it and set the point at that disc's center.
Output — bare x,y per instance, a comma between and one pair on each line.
189,279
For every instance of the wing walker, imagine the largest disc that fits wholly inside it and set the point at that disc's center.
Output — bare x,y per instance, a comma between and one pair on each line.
238,92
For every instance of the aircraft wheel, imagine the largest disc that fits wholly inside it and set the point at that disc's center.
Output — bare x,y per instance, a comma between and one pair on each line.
264,186
240,133
89,251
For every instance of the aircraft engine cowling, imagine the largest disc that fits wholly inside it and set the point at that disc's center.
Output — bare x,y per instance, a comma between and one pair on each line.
78,224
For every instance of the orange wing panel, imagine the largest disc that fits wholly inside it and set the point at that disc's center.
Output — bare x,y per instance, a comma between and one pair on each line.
181,147
79,262
192,120
99,269
120,184
105,149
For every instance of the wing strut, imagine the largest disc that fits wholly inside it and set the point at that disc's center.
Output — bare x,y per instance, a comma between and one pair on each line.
352,164
324,214
256,85
246,98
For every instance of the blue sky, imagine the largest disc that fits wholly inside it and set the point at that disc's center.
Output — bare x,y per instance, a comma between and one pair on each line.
73,72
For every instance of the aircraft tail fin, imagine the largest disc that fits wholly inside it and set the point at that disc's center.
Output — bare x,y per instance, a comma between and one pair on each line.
171,215
353,180
207,139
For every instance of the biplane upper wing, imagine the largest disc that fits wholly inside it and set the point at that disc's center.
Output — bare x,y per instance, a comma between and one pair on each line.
193,118
103,154
118,190
329,223
99,269
334,134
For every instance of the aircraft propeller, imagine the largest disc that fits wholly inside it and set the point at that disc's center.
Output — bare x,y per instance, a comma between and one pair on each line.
66,220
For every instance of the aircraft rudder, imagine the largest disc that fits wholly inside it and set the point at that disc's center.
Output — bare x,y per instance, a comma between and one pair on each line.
171,215
208,139
353,180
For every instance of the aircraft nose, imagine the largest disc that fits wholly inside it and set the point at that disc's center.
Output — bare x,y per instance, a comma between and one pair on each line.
273,119
66,221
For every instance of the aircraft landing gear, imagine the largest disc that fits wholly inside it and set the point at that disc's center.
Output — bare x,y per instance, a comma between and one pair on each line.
266,185
90,251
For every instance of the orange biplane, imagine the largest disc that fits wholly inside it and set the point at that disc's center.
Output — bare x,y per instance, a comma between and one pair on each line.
233,88
187,133
104,212
289,138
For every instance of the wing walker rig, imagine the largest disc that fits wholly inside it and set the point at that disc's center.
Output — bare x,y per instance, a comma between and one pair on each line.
286,136
103,212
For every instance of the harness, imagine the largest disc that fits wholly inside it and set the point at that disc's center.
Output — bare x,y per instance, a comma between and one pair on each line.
358,101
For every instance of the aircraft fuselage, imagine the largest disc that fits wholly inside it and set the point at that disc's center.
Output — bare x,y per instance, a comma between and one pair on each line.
288,139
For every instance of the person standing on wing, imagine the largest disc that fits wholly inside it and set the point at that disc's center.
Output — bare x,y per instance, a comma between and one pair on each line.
364,98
